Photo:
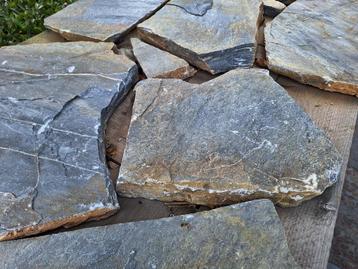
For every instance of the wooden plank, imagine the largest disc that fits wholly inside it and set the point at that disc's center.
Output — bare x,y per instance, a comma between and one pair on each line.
309,227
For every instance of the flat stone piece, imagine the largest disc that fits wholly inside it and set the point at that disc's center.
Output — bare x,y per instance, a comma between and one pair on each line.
55,100
234,138
157,63
101,20
215,36
247,235
316,44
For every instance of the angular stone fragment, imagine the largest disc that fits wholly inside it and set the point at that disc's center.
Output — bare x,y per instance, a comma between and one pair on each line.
272,8
247,235
216,35
101,20
316,44
157,63
55,100
234,138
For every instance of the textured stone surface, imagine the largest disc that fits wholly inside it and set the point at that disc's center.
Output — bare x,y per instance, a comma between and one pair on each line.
216,35
272,8
316,44
102,20
55,100
247,235
157,63
236,137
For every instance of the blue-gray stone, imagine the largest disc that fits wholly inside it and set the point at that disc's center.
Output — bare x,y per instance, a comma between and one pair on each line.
55,101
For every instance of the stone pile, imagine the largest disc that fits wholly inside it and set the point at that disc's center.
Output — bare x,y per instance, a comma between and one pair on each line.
236,137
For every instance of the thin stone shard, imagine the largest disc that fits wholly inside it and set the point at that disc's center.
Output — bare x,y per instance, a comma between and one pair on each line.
302,43
101,20
220,238
234,138
55,100
215,36
157,63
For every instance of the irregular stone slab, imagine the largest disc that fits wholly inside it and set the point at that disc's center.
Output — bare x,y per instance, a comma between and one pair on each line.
302,42
247,235
101,20
272,8
157,63
234,138
216,35
55,100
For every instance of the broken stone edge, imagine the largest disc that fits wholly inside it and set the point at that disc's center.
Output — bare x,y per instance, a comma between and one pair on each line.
124,86
205,61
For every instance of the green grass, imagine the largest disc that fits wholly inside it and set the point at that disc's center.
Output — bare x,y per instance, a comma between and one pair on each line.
22,19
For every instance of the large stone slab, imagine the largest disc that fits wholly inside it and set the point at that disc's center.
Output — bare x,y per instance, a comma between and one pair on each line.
157,63
55,100
234,138
316,44
247,235
101,20
214,35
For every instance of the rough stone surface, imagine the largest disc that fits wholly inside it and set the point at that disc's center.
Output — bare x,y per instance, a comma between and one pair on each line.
216,35
157,63
101,20
55,100
247,235
234,138
272,8
316,44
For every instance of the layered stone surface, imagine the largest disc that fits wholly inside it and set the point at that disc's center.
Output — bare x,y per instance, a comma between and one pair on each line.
316,44
247,235
234,138
101,20
213,35
157,63
55,100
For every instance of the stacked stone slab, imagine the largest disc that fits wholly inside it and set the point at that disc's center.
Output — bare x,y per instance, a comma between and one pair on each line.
55,101
231,237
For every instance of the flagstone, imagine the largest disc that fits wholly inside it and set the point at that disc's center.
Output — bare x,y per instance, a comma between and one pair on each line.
55,100
101,20
234,138
157,63
316,44
213,35
247,235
